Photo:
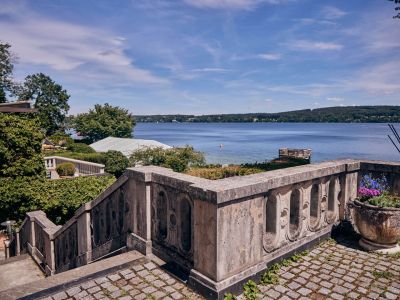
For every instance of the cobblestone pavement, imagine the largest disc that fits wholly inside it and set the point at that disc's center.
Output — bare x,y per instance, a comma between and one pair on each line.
333,270
337,270
142,281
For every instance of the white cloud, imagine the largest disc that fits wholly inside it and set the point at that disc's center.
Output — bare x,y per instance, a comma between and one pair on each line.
335,99
332,13
231,4
212,70
270,56
62,46
377,79
306,45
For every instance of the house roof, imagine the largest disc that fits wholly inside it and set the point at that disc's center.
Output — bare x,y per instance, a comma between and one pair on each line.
125,145
17,107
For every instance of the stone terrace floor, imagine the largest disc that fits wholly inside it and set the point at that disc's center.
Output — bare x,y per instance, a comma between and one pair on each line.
333,270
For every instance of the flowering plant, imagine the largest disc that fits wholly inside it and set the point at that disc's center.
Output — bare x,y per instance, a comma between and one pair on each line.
372,187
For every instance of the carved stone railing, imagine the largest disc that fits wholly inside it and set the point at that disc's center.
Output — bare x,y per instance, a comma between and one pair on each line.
82,167
35,236
222,232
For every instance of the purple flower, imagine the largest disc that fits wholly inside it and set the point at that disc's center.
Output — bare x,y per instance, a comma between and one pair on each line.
364,192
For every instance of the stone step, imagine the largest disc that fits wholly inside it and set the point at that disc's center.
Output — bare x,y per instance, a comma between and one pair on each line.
49,285
18,270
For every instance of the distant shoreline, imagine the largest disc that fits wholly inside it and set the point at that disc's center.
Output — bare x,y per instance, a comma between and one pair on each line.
337,114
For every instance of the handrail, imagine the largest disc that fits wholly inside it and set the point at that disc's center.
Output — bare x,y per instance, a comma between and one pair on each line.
75,161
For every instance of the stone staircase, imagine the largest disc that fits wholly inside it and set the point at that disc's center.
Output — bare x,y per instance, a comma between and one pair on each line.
21,278
18,270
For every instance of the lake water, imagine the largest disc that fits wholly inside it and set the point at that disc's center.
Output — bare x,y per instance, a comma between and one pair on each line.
250,142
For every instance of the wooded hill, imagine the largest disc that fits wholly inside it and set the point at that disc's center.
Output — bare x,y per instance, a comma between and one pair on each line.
337,114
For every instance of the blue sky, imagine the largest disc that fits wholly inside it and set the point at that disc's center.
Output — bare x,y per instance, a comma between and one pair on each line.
209,56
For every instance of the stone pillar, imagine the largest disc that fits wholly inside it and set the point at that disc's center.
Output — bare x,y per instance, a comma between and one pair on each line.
349,189
32,244
139,191
227,249
7,248
84,239
17,243
51,259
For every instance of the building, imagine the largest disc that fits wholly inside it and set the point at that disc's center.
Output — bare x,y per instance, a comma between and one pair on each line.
125,145
17,107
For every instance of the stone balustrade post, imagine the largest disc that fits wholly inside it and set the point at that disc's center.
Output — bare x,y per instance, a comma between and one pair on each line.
84,239
7,248
139,191
17,243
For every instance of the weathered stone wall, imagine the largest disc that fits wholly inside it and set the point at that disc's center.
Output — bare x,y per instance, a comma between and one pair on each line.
224,232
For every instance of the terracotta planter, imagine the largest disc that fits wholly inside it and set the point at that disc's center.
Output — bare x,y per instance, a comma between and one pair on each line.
379,227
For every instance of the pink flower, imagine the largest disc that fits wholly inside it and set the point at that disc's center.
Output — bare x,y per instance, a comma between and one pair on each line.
364,192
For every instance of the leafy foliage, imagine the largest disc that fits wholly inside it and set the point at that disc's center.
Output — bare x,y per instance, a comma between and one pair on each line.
20,146
251,290
215,172
59,199
66,169
61,139
374,190
6,69
271,276
229,296
80,148
49,98
218,172
104,121
116,163
397,8
385,200
178,159
95,157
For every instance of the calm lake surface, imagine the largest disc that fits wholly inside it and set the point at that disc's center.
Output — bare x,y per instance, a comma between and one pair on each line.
250,142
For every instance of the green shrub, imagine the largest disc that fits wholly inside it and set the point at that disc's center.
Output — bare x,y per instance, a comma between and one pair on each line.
66,169
80,148
59,199
20,146
178,159
385,200
116,163
61,139
215,173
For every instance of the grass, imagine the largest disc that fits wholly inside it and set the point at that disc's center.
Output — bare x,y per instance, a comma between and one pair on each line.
271,275
382,274
251,290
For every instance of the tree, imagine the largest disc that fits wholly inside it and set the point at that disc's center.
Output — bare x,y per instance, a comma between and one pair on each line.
177,159
397,8
6,69
104,121
116,163
49,98
20,146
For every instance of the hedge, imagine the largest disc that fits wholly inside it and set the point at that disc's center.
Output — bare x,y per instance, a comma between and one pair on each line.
59,199
66,169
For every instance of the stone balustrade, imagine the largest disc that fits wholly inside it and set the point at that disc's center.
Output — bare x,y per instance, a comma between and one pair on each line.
221,232
36,237
82,167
